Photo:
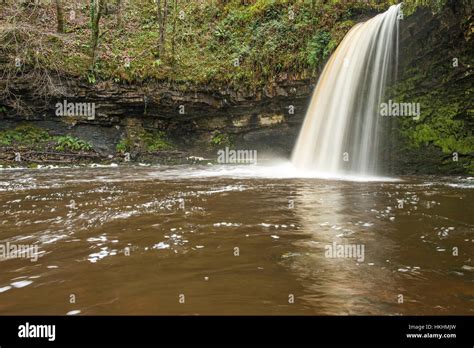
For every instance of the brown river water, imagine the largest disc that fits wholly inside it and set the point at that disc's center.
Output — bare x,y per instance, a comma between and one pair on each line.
233,240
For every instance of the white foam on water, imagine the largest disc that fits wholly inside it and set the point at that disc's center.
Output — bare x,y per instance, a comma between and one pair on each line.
277,171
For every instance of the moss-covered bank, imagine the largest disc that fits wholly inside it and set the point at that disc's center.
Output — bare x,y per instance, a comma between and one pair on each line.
436,70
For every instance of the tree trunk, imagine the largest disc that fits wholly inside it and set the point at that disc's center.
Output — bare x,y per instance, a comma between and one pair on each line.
162,14
60,16
96,13
165,17
165,11
175,16
159,15
119,13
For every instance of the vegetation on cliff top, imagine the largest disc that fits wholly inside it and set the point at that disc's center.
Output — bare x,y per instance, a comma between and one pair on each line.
200,42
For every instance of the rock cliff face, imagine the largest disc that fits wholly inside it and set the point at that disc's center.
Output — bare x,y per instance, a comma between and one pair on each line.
436,70
267,120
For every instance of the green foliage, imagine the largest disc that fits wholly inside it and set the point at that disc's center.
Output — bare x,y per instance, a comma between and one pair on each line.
23,135
149,141
443,130
155,141
266,38
318,48
91,78
5,140
410,6
219,140
443,121
71,143
38,138
124,145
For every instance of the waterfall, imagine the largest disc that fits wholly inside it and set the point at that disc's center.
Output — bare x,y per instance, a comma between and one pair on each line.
341,129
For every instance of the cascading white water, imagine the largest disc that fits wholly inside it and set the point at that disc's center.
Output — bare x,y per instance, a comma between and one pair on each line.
340,132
